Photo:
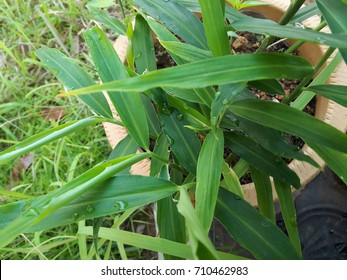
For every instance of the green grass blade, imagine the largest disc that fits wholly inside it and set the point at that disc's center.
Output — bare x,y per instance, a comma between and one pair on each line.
337,93
113,196
177,19
263,159
170,222
42,207
73,77
183,142
143,47
334,12
264,193
251,230
287,119
286,201
215,28
150,243
200,243
222,70
108,21
45,137
110,68
208,177
337,161
269,27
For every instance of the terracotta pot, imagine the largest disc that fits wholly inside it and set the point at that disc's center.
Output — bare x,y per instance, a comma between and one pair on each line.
326,110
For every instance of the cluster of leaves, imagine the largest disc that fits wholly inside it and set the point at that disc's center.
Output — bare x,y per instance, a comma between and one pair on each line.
192,111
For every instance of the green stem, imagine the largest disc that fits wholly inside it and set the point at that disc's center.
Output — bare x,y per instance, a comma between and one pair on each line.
288,15
121,8
299,89
298,44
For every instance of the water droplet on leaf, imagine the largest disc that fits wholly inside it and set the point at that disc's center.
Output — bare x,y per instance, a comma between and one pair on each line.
75,216
179,117
90,209
120,205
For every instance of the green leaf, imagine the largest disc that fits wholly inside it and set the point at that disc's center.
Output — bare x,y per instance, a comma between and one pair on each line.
150,243
286,201
305,13
187,52
222,70
110,68
246,4
183,142
269,86
45,137
274,141
200,243
337,93
215,28
269,27
113,196
39,209
253,231
108,21
263,188
231,180
143,47
334,13
73,77
125,147
222,100
101,3
161,149
208,177
170,222
337,161
261,158
306,96
293,121
177,19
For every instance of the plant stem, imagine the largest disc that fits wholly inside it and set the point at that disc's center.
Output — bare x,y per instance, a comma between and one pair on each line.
299,89
288,15
121,8
298,44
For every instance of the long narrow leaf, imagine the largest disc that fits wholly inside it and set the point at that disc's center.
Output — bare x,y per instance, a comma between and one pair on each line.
222,70
271,28
110,68
334,13
150,243
287,119
215,28
337,161
208,177
286,201
47,136
337,93
73,77
264,193
177,19
42,207
261,158
251,230
183,142
201,244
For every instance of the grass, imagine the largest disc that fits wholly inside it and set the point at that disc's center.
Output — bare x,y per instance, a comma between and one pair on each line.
27,95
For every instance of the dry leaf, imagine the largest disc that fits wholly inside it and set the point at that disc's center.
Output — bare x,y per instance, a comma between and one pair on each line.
55,113
23,165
